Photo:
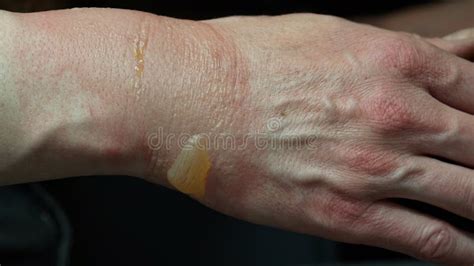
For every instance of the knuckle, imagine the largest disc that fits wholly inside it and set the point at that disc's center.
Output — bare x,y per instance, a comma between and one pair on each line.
448,126
344,213
436,243
404,174
390,112
444,129
335,209
401,52
371,161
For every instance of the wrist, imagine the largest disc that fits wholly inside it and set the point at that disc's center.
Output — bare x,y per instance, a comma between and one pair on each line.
208,99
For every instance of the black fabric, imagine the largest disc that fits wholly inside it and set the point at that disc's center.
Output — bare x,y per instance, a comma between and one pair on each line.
33,229
123,221
205,9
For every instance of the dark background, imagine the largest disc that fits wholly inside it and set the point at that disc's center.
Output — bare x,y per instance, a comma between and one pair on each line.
125,221
203,9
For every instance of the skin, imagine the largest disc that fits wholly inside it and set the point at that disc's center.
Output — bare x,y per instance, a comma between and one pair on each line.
359,116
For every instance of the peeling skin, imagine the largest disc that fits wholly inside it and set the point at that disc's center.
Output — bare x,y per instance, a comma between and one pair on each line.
189,172
141,43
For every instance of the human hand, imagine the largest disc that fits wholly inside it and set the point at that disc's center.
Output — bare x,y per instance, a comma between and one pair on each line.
351,116
336,118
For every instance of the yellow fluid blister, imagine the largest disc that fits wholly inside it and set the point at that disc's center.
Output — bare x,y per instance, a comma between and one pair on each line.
188,173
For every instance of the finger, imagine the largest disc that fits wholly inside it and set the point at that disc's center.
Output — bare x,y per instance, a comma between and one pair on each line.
453,83
397,228
452,134
460,43
461,35
438,183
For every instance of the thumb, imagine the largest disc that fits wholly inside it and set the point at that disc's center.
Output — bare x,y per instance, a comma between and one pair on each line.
460,43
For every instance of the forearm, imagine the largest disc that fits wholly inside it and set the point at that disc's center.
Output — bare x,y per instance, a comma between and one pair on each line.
87,88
